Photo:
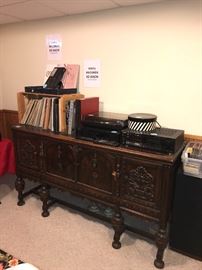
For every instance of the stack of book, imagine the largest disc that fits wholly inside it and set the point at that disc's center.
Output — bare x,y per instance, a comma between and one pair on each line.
56,113
49,112
78,109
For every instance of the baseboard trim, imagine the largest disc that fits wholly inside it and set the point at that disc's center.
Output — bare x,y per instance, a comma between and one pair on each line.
190,137
7,119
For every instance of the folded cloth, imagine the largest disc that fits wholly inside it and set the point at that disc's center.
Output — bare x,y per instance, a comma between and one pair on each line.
23,266
9,262
7,157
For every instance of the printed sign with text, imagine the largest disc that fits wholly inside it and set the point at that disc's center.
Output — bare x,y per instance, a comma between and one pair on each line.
92,73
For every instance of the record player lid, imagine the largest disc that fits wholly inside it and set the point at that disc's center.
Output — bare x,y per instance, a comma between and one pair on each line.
142,117
106,116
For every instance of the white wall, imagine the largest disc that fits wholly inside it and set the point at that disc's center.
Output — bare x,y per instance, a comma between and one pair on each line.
1,104
150,59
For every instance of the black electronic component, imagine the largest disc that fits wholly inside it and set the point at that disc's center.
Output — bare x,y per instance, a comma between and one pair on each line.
106,120
163,140
50,91
103,128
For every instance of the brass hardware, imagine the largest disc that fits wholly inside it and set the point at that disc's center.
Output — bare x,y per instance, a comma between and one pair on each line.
114,173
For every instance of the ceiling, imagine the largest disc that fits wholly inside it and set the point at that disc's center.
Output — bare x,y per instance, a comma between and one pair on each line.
13,11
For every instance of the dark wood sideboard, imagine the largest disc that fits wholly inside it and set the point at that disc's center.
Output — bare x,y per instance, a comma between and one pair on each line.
134,181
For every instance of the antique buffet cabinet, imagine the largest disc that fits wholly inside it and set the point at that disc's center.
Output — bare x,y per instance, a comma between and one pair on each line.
133,181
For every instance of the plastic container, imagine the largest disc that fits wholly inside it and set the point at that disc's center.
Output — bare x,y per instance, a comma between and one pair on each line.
192,159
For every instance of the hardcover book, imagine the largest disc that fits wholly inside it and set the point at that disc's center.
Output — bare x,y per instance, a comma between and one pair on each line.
43,113
39,112
87,105
84,107
71,117
56,115
47,113
32,112
64,102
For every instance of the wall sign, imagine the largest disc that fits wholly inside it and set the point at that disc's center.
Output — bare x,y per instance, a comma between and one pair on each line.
54,47
92,74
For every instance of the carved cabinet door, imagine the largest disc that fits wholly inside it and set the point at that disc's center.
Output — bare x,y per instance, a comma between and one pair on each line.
59,159
140,186
95,171
28,152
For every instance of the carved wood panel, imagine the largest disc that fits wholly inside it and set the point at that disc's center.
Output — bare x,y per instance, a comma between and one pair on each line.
29,152
140,182
96,169
59,159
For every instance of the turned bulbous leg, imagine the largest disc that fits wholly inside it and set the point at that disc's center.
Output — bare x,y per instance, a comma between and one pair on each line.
44,196
118,226
161,242
19,186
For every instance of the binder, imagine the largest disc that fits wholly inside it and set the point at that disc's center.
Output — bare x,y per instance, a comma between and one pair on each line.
84,107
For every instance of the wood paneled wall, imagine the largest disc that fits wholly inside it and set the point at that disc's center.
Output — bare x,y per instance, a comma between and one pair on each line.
189,137
7,119
1,122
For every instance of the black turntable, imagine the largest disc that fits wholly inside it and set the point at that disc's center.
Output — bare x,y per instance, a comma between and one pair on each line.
103,128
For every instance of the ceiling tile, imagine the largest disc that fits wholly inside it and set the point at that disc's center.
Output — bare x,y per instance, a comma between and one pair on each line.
10,2
29,10
20,10
7,19
78,6
134,2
